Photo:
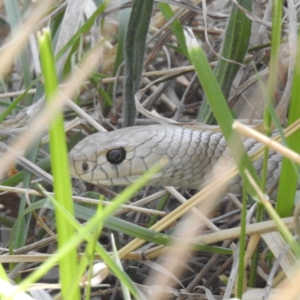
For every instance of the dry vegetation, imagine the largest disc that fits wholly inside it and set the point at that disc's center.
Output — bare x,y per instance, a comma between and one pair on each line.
91,77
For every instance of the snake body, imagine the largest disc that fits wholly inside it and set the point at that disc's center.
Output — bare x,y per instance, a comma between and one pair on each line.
193,157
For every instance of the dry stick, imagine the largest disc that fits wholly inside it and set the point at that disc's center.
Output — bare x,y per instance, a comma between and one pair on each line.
28,165
83,200
219,271
248,132
252,229
84,115
233,233
206,268
109,80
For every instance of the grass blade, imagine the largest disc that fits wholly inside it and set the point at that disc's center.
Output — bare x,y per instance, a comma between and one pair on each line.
60,169
176,27
134,54
219,107
234,48
289,171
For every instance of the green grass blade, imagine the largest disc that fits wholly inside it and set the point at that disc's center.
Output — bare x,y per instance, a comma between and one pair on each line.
268,115
282,228
235,45
289,171
159,207
176,27
60,168
272,80
134,55
3,273
14,104
146,234
21,231
220,109
31,154
87,259
124,16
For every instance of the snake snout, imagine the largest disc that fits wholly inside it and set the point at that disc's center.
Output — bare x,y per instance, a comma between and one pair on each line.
72,163
76,158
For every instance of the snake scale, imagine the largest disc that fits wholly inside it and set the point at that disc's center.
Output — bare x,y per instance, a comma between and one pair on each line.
194,157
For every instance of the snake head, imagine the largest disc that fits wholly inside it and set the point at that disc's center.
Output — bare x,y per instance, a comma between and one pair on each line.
118,157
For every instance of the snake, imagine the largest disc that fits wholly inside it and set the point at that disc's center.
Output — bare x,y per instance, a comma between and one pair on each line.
193,157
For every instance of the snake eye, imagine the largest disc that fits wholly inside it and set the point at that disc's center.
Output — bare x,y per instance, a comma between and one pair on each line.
116,156
85,166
